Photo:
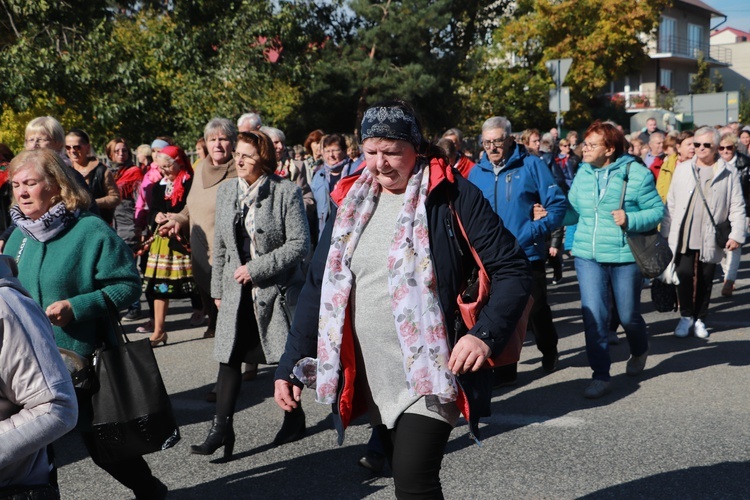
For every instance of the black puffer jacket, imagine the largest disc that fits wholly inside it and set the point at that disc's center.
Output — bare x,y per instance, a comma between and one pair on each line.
743,165
501,255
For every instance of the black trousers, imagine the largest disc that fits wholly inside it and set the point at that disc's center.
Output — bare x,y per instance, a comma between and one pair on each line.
540,317
685,265
246,339
415,448
133,473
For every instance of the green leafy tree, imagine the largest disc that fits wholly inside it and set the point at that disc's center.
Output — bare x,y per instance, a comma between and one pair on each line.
603,39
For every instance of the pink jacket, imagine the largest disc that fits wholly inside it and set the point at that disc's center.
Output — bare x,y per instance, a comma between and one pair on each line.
151,177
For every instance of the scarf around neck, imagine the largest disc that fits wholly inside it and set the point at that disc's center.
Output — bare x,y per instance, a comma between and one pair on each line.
53,222
127,177
418,318
246,196
212,174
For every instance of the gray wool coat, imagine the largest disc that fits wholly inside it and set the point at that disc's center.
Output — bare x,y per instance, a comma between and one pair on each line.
282,239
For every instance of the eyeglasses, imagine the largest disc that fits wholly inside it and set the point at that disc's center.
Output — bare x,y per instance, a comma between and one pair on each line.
245,158
494,144
37,140
588,145
332,151
728,148
74,148
706,145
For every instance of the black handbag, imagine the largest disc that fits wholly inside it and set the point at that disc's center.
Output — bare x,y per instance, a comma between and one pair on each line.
663,296
132,414
721,231
650,249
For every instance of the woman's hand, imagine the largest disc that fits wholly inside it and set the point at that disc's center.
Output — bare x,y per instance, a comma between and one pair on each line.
241,275
553,252
218,303
286,394
60,313
169,228
469,354
161,218
538,212
731,245
620,217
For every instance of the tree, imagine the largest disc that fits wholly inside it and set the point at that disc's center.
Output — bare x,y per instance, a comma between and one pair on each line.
604,40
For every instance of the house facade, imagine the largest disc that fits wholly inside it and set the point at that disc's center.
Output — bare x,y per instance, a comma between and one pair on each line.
673,51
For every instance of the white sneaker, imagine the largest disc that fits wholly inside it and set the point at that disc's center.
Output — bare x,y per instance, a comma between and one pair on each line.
683,327
700,330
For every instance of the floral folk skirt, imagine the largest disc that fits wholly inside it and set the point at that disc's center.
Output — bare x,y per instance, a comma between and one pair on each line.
169,272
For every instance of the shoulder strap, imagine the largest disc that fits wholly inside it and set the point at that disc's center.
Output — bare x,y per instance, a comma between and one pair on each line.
700,191
468,241
624,185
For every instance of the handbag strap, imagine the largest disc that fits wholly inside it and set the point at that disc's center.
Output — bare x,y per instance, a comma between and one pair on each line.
700,191
624,187
114,318
466,238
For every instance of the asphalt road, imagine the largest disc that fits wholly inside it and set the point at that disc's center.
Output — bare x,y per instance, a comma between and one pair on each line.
680,430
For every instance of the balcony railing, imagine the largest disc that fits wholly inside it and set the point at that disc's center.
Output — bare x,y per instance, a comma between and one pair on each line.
676,46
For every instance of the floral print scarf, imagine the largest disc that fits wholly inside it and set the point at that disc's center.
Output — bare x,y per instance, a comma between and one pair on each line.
412,285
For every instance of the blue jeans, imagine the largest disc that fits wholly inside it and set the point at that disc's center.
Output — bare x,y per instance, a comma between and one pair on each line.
594,280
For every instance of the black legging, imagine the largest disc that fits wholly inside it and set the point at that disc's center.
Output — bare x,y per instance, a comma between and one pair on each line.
246,339
415,448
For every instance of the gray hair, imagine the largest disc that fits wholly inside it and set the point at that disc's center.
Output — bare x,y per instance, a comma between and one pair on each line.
454,131
497,122
220,126
274,133
715,135
252,119
655,135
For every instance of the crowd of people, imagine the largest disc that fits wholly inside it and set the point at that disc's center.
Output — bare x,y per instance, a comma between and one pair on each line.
287,255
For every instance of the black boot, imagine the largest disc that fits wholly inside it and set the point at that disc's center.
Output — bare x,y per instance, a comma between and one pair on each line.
221,434
293,427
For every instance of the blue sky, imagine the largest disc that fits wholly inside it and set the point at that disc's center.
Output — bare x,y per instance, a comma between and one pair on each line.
737,12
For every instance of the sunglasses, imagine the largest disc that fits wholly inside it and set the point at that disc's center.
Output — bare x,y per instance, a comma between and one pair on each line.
74,148
706,145
728,148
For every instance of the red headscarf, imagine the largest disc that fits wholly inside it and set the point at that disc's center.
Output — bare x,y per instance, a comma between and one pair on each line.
186,171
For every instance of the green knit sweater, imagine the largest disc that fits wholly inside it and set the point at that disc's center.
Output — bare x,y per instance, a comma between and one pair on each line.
78,265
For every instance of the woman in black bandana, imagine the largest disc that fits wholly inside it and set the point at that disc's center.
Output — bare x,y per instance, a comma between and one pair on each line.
378,310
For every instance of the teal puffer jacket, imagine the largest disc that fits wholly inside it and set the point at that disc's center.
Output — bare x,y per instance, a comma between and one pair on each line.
595,194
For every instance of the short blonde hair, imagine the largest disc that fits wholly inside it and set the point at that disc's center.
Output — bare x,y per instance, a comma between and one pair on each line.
48,126
50,166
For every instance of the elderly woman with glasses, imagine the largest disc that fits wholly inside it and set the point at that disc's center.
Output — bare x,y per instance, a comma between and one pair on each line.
728,150
336,164
261,237
705,192
603,259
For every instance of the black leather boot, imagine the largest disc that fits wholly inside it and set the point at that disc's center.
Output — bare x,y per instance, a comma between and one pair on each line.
221,434
293,427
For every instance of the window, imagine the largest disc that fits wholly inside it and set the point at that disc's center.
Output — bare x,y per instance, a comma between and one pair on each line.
667,35
665,78
695,40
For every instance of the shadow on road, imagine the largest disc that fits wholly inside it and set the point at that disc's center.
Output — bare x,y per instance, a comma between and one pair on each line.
725,480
